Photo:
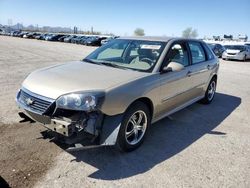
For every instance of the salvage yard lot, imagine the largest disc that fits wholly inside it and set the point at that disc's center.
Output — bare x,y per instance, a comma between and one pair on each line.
200,146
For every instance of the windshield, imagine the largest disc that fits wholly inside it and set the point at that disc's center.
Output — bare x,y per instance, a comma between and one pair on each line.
235,47
130,54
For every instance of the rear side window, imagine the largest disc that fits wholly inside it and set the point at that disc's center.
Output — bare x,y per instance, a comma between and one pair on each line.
208,51
197,52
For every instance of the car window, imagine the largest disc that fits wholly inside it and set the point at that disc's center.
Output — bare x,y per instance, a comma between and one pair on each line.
178,53
115,50
129,54
208,52
134,50
197,52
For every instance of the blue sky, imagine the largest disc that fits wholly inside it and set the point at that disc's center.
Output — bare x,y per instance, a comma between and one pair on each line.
156,17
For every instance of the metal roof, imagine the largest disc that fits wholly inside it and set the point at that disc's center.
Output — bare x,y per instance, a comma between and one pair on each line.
157,38
149,38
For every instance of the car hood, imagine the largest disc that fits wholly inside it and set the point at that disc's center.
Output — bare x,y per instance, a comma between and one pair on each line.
55,81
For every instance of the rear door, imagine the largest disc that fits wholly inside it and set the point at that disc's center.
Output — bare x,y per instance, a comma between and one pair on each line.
200,66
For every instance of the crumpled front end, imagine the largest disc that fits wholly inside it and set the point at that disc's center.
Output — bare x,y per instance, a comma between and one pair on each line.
69,124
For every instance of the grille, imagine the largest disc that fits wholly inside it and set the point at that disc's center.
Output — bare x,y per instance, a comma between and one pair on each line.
35,103
231,53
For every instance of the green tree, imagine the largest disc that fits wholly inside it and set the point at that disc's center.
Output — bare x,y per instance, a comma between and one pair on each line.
139,32
190,33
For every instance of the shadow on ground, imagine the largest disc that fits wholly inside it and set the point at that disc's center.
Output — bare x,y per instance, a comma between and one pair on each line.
3,183
167,138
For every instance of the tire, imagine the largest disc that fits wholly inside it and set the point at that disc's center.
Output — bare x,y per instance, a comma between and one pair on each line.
210,92
245,58
132,132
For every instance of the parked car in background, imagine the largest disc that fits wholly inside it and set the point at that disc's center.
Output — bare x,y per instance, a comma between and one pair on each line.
79,40
43,36
38,36
30,35
104,41
25,35
68,39
22,34
16,33
113,95
218,49
12,33
247,43
82,41
94,41
61,39
76,39
48,37
55,37
236,52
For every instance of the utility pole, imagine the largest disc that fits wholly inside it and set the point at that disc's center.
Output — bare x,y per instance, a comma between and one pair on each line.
10,22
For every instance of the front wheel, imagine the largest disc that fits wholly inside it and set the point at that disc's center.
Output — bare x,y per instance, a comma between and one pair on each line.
210,92
134,127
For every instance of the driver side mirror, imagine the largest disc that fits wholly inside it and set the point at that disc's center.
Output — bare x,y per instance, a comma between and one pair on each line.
172,67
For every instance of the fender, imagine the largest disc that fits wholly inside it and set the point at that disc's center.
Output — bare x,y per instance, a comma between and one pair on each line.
110,129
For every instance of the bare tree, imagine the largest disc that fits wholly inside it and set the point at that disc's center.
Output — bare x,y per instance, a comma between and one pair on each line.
139,32
190,33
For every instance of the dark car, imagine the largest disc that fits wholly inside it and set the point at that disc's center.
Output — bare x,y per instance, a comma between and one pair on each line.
83,40
74,40
16,33
42,36
54,37
49,36
68,39
79,40
61,39
30,35
22,34
94,41
218,49
38,36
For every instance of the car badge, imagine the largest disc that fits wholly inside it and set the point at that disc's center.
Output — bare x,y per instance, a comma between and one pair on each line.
29,101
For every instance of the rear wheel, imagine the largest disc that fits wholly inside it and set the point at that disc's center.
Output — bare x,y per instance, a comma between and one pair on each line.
210,92
134,127
245,58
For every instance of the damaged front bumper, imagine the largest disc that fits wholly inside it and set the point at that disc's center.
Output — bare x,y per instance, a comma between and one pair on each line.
69,124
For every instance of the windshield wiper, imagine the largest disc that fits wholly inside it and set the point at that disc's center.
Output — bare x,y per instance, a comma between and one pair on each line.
112,65
90,61
109,64
104,63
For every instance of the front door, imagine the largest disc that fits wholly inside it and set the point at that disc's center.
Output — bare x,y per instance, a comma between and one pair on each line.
176,87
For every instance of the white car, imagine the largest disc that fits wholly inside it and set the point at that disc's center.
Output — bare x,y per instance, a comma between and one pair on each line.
237,52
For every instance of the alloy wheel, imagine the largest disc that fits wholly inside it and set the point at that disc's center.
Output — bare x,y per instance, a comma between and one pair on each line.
136,127
211,90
